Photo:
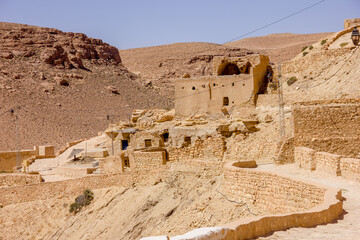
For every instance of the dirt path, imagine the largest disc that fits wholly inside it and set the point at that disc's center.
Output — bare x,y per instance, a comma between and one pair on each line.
346,228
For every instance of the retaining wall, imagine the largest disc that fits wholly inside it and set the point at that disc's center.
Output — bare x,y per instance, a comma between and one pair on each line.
321,205
333,164
211,148
328,126
10,180
48,190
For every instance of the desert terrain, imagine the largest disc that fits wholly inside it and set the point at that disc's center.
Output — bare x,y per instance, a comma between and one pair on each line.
67,86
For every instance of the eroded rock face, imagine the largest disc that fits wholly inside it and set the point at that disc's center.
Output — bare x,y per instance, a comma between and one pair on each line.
61,49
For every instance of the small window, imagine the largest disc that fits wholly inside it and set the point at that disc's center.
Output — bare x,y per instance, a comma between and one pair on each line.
203,86
232,101
182,87
223,85
147,142
243,84
124,144
225,101
214,84
187,141
165,137
233,84
193,88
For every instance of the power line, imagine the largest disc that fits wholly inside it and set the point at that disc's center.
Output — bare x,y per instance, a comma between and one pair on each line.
279,20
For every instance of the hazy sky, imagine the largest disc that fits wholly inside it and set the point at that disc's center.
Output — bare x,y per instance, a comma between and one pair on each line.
141,23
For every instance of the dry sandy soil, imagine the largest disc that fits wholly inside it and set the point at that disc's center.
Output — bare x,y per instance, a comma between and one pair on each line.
188,199
279,47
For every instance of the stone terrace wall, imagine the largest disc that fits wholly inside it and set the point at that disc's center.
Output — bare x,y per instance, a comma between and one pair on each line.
328,126
149,160
10,180
328,163
326,203
267,190
48,190
212,148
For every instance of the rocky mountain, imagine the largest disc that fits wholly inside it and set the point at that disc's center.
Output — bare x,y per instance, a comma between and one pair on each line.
62,86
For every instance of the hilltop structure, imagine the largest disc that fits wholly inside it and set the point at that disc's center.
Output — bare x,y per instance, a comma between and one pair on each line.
234,81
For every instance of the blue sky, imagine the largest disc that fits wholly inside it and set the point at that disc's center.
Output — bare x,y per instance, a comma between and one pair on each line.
141,23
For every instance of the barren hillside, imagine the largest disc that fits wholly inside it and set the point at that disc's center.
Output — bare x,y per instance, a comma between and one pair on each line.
65,85
279,47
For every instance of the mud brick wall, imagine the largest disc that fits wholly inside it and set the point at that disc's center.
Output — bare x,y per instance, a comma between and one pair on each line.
212,149
328,126
267,190
10,180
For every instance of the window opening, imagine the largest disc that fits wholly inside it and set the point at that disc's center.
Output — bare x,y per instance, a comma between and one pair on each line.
187,141
124,144
147,142
225,101
165,137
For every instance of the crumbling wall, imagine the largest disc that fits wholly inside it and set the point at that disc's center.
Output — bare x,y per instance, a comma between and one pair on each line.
214,94
211,149
328,126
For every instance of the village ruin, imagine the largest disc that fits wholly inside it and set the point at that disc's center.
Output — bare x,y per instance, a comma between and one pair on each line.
213,115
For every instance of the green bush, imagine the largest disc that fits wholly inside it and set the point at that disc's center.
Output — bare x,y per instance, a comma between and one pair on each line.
304,48
344,44
323,41
291,80
304,53
311,47
81,201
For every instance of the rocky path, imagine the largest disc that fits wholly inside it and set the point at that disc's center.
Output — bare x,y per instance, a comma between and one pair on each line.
348,227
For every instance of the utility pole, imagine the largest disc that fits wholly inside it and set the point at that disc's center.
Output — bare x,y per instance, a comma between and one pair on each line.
281,105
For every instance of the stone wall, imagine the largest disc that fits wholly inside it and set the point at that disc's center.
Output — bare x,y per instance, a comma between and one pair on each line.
304,158
323,206
149,160
10,180
286,152
328,163
211,149
350,168
48,190
328,126
267,190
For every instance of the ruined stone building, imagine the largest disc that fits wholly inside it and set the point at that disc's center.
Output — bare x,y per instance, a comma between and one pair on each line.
235,80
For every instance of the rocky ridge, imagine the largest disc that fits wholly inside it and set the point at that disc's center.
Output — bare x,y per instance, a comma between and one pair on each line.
62,87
